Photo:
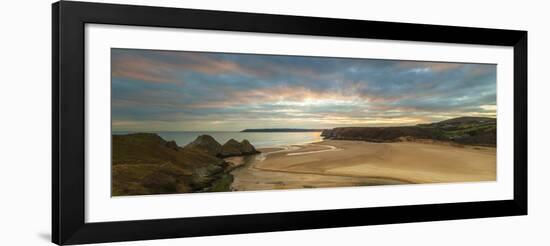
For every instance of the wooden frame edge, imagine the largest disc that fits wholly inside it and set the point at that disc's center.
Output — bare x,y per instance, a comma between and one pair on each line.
68,225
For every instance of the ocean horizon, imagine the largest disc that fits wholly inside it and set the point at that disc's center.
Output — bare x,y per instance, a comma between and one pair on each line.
258,139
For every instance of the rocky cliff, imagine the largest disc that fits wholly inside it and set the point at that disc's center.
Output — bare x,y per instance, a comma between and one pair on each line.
376,134
144,163
207,144
234,148
462,130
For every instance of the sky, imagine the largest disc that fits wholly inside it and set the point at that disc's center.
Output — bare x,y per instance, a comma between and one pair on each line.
199,91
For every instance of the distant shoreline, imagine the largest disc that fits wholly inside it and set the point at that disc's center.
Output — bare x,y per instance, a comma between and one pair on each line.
282,130
118,132
258,139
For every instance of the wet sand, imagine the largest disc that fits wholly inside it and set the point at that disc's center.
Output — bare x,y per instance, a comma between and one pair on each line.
337,163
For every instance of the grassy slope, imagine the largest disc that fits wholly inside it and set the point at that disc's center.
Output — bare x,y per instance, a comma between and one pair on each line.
463,130
146,164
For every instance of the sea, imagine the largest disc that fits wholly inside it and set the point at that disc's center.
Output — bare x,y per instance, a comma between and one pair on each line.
258,139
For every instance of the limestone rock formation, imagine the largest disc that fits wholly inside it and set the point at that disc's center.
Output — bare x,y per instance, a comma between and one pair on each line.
247,148
233,148
205,143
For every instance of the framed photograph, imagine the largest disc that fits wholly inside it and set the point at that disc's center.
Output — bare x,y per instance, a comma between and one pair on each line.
175,122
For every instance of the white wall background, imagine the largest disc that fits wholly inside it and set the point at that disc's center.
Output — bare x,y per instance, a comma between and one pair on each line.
25,57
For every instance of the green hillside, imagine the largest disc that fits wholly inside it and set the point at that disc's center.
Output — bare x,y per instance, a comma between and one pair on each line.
462,130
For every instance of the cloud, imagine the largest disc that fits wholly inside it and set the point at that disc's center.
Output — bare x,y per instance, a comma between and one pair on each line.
430,66
166,66
186,90
136,67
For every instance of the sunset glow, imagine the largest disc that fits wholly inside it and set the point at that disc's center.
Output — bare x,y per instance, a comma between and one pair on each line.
199,91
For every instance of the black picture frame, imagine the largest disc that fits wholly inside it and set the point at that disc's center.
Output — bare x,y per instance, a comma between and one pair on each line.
68,118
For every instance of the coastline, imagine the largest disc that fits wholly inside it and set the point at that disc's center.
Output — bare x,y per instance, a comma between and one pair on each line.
338,163
145,163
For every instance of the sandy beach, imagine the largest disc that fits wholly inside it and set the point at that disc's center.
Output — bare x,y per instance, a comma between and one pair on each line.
337,163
